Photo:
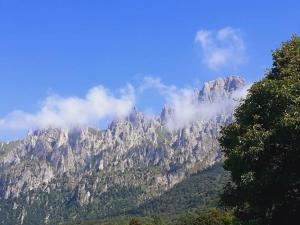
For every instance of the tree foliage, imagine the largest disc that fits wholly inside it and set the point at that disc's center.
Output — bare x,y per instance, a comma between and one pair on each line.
135,221
262,146
210,217
198,191
199,217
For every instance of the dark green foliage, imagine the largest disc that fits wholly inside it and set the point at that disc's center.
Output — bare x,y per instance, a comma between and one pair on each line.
208,217
124,220
157,220
262,146
135,221
200,190
62,206
286,60
211,217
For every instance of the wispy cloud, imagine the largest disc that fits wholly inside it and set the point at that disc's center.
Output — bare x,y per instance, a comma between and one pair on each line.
222,48
98,105
186,109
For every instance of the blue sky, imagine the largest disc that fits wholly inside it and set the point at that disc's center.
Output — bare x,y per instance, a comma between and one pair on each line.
67,47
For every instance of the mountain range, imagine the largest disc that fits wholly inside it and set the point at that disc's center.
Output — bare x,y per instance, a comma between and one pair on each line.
56,175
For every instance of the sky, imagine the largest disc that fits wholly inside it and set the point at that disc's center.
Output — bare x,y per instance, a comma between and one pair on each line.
61,55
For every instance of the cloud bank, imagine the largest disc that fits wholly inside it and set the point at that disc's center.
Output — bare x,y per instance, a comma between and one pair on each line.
98,105
185,106
222,48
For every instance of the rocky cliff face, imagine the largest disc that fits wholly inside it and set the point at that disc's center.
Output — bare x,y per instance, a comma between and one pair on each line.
53,171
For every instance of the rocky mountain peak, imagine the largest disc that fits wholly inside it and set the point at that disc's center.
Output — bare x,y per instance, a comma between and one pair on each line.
220,88
211,92
136,117
166,113
79,166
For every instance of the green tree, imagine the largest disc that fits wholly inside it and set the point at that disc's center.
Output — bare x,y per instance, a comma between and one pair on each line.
210,217
157,220
135,221
262,146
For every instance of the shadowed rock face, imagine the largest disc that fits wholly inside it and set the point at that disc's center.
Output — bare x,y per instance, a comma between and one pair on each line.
137,151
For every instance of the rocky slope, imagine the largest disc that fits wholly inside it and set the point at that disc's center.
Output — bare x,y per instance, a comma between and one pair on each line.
55,175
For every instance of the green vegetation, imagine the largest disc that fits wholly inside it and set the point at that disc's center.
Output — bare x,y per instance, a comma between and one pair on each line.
199,191
195,194
207,217
262,146
121,220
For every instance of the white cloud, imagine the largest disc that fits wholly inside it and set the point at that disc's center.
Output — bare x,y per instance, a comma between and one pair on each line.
98,105
185,105
222,48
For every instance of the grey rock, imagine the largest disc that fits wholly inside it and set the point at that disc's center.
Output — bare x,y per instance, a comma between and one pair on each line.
90,161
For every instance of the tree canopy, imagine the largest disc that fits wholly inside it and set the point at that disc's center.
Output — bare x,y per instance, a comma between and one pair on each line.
262,146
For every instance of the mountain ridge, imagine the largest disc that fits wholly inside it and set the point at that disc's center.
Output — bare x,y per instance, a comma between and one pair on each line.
137,154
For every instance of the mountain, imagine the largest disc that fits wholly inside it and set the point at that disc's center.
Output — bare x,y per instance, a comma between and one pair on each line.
55,175
198,191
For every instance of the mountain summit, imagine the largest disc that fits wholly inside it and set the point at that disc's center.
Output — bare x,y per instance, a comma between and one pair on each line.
221,88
